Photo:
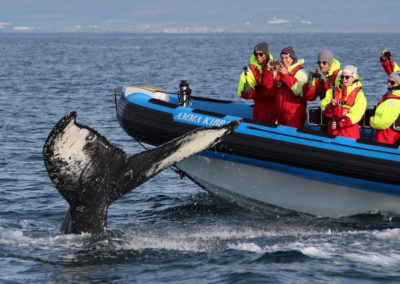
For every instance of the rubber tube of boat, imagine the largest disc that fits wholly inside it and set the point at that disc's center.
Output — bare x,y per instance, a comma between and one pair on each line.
184,93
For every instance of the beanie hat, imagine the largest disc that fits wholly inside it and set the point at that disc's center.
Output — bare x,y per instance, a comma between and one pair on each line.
289,51
395,76
350,69
262,46
326,55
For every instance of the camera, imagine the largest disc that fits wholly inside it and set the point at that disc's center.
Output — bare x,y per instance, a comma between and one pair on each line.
317,76
387,54
275,63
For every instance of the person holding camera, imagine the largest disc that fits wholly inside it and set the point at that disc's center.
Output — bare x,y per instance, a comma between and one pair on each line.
323,78
345,104
252,84
387,62
287,81
387,111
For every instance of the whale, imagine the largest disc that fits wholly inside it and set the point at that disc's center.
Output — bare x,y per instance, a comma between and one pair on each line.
91,173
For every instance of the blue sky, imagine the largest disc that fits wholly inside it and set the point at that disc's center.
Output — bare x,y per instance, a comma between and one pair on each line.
177,16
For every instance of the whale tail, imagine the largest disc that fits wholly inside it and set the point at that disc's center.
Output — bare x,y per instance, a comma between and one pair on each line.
91,173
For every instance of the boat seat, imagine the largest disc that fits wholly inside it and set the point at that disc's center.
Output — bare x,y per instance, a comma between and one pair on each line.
374,143
315,117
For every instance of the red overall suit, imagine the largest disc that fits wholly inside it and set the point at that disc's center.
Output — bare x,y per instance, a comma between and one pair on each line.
264,99
290,108
310,93
344,126
388,135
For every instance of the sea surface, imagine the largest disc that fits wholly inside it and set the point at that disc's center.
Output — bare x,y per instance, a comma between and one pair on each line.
167,230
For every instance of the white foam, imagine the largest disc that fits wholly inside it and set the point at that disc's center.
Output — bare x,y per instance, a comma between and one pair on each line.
376,259
252,247
8,237
206,239
391,234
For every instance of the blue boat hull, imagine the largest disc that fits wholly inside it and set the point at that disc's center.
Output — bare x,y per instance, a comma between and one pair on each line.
333,168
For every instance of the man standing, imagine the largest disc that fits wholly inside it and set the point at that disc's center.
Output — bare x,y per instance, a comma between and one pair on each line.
325,76
252,85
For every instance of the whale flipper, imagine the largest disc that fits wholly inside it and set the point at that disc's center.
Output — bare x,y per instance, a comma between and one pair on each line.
90,173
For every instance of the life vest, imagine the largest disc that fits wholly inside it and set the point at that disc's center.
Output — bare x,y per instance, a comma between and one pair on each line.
388,96
292,73
350,98
332,78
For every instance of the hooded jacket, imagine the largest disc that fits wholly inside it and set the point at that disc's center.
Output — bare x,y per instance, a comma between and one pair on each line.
289,103
349,111
319,88
264,99
386,113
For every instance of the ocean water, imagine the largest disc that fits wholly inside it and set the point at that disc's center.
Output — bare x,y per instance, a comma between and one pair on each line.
168,229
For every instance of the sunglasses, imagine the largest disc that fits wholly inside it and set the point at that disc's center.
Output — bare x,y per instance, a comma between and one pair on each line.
390,82
322,62
258,54
345,77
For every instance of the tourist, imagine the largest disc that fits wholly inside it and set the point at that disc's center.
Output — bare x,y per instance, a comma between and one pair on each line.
345,105
251,85
287,83
325,76
387,111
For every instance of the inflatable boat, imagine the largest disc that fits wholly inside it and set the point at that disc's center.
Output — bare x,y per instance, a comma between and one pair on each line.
267,166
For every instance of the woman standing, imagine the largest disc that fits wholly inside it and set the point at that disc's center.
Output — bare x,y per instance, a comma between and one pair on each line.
287,82
345,105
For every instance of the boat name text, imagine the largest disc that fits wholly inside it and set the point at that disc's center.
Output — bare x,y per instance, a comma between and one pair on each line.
196,118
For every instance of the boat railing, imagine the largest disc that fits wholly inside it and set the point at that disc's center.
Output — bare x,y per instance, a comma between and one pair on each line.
315,117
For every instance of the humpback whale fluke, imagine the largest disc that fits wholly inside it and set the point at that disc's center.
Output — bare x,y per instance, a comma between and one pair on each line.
90,173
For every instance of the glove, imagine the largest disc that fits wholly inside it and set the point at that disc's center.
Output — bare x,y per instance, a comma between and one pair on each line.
310,78
247,88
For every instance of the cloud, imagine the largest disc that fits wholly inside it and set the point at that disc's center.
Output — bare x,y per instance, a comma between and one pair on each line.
276,21
196,29
24,28
3,25
306,22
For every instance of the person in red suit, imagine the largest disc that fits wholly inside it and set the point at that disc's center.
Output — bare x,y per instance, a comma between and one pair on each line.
287,83
252,85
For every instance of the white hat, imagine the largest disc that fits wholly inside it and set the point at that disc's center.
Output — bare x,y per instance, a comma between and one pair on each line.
350,69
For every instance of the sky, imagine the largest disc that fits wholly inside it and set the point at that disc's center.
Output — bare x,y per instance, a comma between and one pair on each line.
189,16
